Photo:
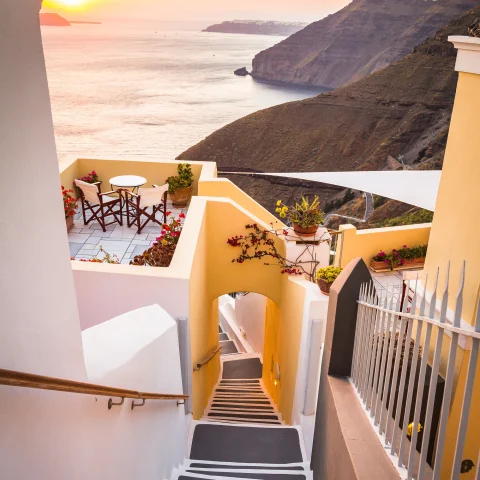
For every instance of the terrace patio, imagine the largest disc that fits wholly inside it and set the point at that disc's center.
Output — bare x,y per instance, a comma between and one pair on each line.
123,242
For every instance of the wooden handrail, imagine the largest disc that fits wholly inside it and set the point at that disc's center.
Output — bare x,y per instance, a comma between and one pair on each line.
30,380
200,365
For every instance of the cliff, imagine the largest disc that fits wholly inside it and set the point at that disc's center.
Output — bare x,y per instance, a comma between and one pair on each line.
358,40
403,109
257,27
53,20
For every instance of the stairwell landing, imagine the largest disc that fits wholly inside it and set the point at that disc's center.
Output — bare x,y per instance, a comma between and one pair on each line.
242,434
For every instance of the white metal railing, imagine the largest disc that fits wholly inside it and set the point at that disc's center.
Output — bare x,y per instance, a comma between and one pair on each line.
382,367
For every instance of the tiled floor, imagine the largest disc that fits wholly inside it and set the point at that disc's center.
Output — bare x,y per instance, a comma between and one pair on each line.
85,240
391,282
388,278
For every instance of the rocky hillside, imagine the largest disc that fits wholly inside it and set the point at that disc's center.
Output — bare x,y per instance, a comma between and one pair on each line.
360,39
403,109
53,20
257,27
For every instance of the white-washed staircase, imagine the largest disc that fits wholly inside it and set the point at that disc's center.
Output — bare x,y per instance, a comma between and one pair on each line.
242,434
229,345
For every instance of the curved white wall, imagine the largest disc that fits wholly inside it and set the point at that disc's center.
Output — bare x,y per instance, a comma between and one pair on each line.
250,316
55,435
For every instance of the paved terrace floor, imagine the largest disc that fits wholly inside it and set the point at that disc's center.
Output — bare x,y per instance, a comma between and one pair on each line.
85,240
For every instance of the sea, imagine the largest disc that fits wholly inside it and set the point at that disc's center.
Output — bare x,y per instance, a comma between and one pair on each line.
149,92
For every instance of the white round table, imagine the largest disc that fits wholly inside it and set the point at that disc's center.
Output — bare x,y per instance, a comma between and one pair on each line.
127,181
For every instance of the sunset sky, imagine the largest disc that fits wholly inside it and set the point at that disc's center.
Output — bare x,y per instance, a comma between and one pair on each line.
194,10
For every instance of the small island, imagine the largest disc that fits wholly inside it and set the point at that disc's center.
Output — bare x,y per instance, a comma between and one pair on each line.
257,27
53,20
79,22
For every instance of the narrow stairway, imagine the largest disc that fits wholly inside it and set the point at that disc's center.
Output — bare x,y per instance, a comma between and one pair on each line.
241,434
229,346
240,397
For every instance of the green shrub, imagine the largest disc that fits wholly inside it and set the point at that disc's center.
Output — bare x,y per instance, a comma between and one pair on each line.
184,179
329,274
378,201
409,218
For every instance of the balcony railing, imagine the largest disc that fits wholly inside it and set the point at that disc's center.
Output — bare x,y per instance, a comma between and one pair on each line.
400,390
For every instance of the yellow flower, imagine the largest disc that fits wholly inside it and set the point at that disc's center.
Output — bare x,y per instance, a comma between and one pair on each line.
283,215
284,209
279,202
410,429
164,242
278,210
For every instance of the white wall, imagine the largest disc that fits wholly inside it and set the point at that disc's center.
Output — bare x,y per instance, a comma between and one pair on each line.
55,435
107,292
132,351
45,434
315,307
37,297
250,315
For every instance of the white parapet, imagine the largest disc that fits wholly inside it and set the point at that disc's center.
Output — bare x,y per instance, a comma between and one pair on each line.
307,249
468,57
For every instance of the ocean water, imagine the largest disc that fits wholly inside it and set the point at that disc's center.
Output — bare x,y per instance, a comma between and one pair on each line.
138,93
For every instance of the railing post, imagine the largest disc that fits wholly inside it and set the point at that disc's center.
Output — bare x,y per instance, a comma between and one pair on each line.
185,360
313,370
342,318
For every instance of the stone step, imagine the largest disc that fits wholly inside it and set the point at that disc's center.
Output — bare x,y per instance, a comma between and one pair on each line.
238,421
246,444
239,381
230,466
246,401
223,336
242,369
261,475
245,415
234,406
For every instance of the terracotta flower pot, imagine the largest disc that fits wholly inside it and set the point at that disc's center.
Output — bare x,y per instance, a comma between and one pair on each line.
182,196
69,222
376,265
305,232
324,286
420,260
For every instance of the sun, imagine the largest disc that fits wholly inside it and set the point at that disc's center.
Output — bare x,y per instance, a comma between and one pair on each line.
73,4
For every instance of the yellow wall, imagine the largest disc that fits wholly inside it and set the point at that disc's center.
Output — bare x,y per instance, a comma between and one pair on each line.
203,324
367,243
226,220
283,331
213,274
455,232
455,236
154,172
222,187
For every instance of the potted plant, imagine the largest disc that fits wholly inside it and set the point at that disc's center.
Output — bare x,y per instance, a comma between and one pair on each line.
378,261
394,260
180,187
408,255
160,254
91,177
326,276
305,216
69,207
420,253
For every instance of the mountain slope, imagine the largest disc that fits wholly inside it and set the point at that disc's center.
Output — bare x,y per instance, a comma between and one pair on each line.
257,27
53,20
363,37
403,109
